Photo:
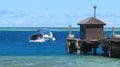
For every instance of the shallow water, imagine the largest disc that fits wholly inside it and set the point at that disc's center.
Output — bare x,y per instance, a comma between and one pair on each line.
58,61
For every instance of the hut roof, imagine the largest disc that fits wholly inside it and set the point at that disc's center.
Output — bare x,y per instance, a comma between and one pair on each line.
91,20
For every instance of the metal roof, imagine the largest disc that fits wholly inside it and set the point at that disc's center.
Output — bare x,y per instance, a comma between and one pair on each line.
91,20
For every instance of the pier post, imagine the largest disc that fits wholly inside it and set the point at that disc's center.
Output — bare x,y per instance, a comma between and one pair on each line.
113,31
95,46
78,47
94,51
110,51
68,47
70,35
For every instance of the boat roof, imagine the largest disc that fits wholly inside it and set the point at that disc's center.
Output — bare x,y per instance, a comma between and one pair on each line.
91,20
44,31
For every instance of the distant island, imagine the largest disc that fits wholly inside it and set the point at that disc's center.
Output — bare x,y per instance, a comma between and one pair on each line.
50,28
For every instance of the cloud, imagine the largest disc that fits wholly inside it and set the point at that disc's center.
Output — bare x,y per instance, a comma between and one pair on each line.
108,15
10,14
18,19
19,15
16,15
73,15
37,17
5,12
19,22
102,14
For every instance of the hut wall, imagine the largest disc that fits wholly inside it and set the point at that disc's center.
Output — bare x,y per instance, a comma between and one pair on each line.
94,32
91,31
82,32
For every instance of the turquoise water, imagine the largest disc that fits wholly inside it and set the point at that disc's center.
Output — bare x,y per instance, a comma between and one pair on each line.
58,61
36,28
51,28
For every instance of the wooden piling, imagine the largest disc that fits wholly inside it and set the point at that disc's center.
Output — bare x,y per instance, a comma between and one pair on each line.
70,35
77,47
95,46
94,51
68,47
110,51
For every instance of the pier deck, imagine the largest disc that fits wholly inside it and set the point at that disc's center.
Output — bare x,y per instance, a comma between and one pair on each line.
77,45
110,46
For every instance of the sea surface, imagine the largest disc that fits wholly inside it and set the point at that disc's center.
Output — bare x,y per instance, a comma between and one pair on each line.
17,51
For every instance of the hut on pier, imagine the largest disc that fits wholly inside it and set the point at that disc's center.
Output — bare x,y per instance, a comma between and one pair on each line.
91,35
91,29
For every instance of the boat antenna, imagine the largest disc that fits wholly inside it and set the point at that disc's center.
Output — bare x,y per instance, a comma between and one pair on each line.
94,10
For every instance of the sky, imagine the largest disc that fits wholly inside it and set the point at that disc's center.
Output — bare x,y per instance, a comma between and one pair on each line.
57,13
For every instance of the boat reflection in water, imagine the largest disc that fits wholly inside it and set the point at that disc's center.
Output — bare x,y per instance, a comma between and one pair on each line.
42,36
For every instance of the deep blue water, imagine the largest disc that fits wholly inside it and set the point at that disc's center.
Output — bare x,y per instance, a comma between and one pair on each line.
17,43
17,51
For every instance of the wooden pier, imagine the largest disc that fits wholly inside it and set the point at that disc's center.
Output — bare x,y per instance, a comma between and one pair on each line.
91,35
110,46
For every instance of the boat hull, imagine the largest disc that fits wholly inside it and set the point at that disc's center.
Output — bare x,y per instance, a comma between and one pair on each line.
41,40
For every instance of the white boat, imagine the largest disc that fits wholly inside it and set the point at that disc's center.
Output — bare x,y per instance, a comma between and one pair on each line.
42,36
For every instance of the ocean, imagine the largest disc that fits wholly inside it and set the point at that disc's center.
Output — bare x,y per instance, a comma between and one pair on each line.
17,51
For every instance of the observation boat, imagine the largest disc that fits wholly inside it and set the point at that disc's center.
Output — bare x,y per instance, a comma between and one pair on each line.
42,36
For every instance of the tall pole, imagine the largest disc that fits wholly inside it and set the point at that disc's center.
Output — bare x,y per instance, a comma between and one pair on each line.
95,11
113,31
70,29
